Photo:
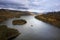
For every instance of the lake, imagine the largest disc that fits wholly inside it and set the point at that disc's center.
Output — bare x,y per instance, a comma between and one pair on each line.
34,29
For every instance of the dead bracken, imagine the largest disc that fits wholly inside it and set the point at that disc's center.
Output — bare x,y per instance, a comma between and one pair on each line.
51,17
7,14
19,22
7,33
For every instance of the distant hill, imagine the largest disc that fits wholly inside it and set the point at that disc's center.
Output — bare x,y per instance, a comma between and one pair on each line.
14,12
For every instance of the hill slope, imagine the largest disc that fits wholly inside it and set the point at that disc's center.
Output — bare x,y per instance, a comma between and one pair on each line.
50,17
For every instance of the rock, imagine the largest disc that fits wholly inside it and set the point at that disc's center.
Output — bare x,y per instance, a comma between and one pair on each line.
31,25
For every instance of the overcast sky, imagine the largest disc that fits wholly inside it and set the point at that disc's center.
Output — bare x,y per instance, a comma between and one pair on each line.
32,5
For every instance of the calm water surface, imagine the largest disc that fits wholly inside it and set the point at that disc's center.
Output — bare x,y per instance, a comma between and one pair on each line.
34,29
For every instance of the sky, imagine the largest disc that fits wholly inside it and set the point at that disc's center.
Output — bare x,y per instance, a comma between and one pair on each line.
31,5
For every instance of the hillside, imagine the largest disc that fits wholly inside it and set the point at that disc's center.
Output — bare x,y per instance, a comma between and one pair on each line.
6,14
51,17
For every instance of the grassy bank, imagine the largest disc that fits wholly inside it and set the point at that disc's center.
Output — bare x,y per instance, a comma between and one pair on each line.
6,14
7,33
51,17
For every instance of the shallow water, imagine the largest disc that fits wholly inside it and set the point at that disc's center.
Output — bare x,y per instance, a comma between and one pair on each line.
34,29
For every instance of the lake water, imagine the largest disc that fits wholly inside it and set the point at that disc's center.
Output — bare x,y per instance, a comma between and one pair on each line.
34,29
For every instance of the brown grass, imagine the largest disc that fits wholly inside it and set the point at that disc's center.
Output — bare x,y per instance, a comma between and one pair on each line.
7,33
52,18
19,22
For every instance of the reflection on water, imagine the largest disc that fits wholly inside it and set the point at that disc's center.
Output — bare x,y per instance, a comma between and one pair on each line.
35,29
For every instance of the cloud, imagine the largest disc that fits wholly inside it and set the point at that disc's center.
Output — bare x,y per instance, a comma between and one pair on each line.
48,5
12,4
43,5
14,1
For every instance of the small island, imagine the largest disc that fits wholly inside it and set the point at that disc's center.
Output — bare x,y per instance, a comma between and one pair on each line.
10,33
19,22
51,17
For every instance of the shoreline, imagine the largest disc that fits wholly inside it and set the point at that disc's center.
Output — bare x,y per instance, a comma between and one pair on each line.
50,18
